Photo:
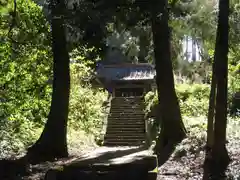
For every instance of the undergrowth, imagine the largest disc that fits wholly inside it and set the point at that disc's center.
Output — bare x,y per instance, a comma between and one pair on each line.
196,135
19,130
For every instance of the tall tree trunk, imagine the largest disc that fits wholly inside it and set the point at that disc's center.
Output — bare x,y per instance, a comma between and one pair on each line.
187,49
144,46
172,127
210,120
219,156
52,142
194,50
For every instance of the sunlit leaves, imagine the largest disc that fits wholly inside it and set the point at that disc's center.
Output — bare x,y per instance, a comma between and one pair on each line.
26,63
85,109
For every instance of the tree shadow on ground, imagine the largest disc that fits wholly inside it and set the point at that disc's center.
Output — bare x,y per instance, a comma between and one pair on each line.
11,169
108,156
101,166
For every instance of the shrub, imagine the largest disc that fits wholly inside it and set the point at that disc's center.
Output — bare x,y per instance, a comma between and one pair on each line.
233,88
193,99
85,109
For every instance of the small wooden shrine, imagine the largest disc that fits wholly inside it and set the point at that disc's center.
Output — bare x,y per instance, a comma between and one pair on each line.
125,79
121,77
127,83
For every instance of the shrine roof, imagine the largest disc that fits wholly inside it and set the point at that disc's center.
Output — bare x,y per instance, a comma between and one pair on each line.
126,71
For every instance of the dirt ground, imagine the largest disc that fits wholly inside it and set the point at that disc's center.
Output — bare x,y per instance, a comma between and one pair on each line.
184,164
189,165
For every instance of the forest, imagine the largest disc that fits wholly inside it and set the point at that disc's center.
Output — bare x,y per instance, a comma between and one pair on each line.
50,108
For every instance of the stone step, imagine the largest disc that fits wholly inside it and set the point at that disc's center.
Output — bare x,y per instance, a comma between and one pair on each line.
127,101
128,116
127,108
127,111
124,134
112,129
124,143
124,115
124,138
120,131
127,133
127,105
136,104
135,113
130,133
110,144
108,163
124,126
125,123
130,127
124,130
126,119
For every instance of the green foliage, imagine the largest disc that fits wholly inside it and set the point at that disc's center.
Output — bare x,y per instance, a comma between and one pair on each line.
193,99
151,99
26,64
24,77
86,111
233,88
199,91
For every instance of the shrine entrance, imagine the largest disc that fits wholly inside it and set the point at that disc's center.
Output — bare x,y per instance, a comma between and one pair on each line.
128,92
126,84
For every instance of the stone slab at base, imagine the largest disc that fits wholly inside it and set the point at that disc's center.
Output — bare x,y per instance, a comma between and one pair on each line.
106,163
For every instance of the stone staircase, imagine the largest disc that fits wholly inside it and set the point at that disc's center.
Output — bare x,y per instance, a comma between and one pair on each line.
126,124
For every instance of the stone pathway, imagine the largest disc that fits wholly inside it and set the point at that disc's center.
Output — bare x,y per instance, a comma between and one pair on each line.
109,163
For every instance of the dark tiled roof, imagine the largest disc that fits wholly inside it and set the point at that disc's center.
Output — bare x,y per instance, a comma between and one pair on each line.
126,72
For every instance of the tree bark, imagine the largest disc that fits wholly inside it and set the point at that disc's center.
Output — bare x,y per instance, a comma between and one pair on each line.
194,50
53,142
144,46
172,127
211,107
219,158
210,121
